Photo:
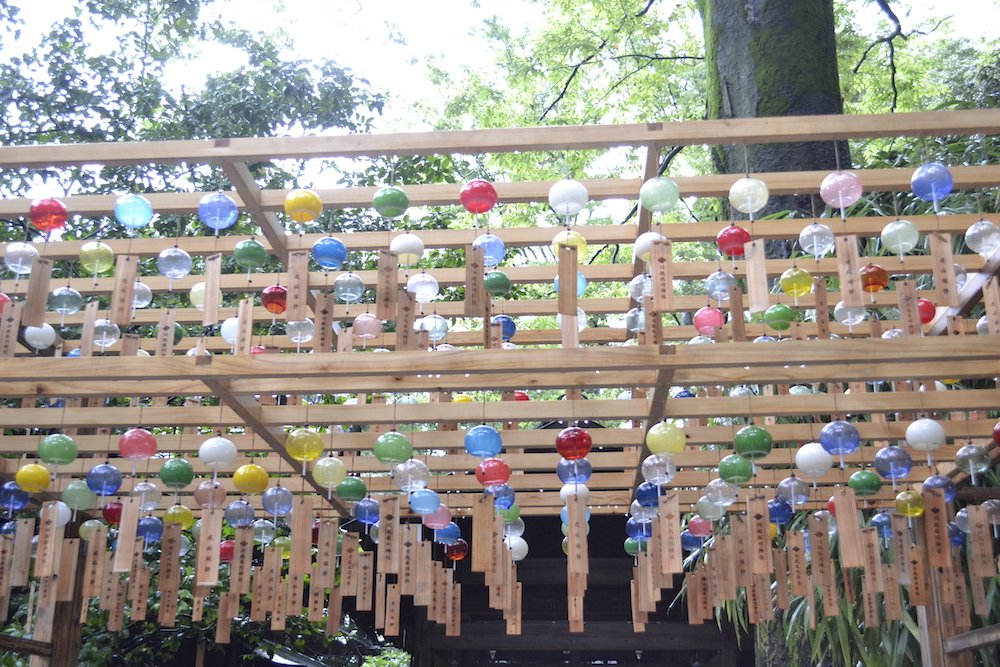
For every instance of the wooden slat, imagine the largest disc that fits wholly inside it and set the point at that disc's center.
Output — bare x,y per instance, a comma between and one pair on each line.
550,138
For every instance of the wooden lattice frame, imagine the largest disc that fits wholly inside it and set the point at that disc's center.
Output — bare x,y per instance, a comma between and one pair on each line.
648,370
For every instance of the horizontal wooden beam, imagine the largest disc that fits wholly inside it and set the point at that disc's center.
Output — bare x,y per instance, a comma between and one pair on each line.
527,361
510,411
356,446
974,639
25,646
523,275
512,236
524,192
555,636
509,381
569,137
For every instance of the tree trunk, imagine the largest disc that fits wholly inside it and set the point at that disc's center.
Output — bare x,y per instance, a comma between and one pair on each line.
772,58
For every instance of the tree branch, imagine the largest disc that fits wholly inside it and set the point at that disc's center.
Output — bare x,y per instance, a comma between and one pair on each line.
569,79
645,56
889,41
645,9
575,70
667,159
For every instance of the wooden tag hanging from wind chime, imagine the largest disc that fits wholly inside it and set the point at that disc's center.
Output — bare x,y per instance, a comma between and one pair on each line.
36,299
349,565
240,567
848,528
10,323
123,291
848,269
822,564
578,564
388,558
758,294
661,271
300,561
213,289
668,535
207,558
298,286
943,268
567,301
127,527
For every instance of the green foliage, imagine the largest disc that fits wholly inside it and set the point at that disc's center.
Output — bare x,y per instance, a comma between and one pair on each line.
143,642
64,89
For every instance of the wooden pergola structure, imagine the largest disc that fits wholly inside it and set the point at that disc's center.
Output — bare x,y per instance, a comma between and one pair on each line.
259,396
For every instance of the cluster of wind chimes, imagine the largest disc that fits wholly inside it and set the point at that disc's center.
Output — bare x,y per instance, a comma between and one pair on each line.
655,566
491,557
918,560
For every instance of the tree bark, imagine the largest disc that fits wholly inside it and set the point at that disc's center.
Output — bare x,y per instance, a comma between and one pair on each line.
772,58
